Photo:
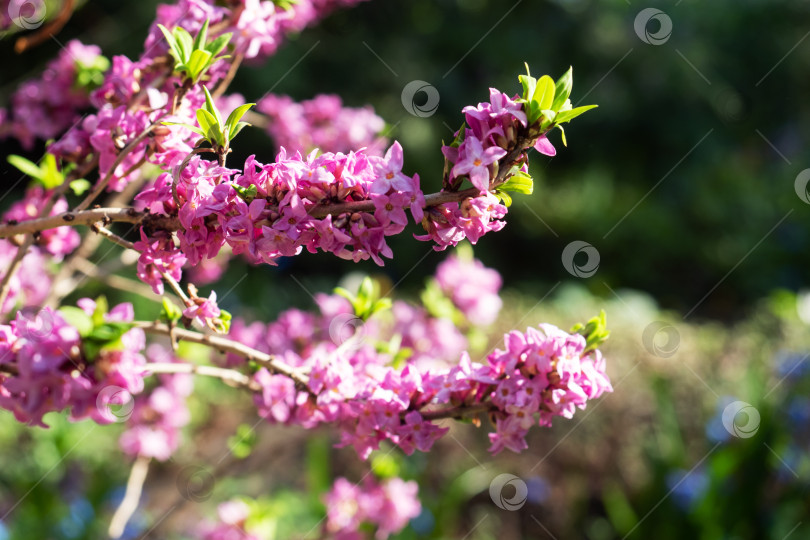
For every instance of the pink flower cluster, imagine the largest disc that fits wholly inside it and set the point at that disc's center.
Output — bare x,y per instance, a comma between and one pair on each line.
542,373
490,131
43,108
277,222
545,370
153,430
472,287
31,284
322,122
46,369
434,342
388,506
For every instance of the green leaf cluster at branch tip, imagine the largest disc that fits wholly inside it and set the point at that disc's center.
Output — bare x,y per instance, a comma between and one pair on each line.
547,101
219,134
367,301
595,331
193,57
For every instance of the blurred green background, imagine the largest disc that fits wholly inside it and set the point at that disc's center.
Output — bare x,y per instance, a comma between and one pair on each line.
682,179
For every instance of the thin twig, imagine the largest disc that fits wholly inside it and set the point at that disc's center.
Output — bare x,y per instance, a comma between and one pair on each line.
118,160
111,236
49,30
227,345
228,375
132,496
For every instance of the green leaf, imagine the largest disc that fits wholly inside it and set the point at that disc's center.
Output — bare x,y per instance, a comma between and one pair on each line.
595,331
234,118
184,44
25,166
460,137
51,175
78,319
209,125
505,198
197,64
562,134
216,46
195,129
246,193
202,37
567,116
529,84
102,307
170,312
173,47
211,107
236,129
79,186
544,93
562,89
519,182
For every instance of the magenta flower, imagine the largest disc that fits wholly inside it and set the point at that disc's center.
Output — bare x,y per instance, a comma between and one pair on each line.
203,308
475,161
388,171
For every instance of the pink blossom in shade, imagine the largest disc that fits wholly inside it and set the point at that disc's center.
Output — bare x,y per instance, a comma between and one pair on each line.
58,241
417,200
418,434
475,160
322,122
544,146
203,308
153,429
388,171
499,105
276,399
44,108
231,526
402,505
508,434
388,506
472,287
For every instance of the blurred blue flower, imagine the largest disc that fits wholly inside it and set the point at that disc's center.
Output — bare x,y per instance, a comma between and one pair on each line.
539,490
798,412
791,364
687,488
3,531
715,431
424,523
81,513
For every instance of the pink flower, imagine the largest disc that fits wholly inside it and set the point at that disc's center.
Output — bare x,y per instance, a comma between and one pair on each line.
388,172
475,161
203,308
